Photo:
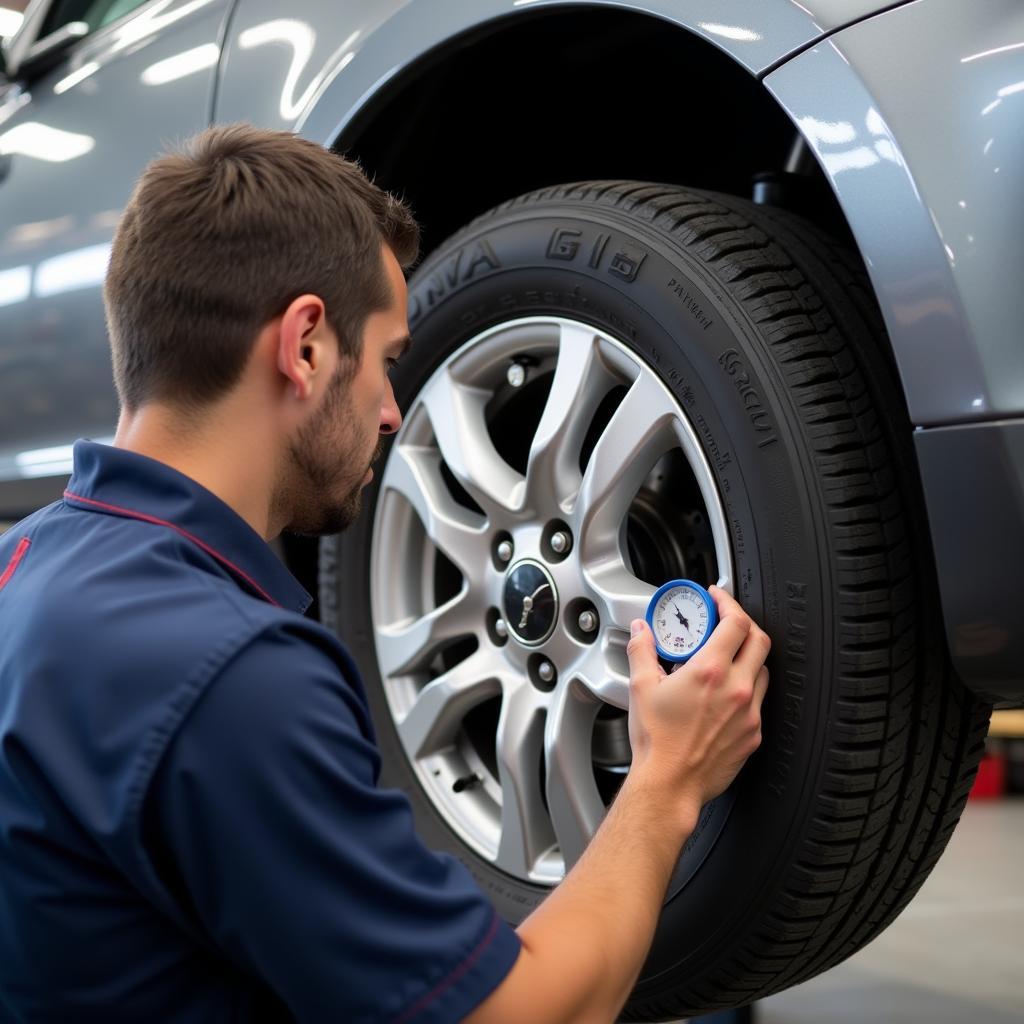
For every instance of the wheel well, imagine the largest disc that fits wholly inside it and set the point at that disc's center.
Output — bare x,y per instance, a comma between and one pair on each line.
551,97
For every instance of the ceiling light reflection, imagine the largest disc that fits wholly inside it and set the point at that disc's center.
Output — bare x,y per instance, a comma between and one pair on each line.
70,81
50,461
886,150
80,268
10,22
741,35
151,20
181,64
828,133
40,141
37,231
35,456
15,285
301,38
855,159
989,53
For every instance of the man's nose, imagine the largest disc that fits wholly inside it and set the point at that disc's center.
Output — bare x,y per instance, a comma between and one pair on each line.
390,416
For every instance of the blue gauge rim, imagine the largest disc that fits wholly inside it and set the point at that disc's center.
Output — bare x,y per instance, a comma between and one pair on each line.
712,617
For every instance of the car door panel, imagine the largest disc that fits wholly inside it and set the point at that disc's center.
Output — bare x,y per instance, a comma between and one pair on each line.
75,141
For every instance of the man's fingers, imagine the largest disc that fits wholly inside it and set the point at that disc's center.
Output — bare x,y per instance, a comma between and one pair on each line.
728,636
726,603
643,658
737,636
754,650
760,686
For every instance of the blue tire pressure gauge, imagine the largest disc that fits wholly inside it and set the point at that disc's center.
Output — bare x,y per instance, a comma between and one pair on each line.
681,615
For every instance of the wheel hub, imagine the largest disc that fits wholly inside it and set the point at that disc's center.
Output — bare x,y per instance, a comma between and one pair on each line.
531,603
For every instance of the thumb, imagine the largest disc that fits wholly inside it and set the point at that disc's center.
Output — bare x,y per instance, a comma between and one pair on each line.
643,658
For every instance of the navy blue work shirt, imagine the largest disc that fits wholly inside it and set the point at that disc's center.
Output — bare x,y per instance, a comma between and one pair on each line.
190,823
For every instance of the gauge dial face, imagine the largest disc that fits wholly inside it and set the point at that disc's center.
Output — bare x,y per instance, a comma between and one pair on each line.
681,621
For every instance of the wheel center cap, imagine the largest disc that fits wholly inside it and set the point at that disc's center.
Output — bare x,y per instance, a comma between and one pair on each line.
531,602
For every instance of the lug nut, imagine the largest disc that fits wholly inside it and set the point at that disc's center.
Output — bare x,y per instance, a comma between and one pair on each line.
560,542
546,671
504,550
501,629
515,375
587,622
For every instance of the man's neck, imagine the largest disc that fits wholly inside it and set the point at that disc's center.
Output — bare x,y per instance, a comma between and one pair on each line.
208,451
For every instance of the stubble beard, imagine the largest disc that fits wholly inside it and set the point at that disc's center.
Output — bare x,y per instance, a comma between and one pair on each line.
318,460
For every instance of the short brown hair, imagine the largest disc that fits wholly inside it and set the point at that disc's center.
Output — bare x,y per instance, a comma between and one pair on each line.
219,237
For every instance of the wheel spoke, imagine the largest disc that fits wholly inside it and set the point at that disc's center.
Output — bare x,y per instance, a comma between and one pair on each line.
456,412
525,827
619,595
408,645
605,672
437,713
638,431
414,472
580,382
574,803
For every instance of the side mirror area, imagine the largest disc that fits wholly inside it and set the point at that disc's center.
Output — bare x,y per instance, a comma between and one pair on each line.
44,53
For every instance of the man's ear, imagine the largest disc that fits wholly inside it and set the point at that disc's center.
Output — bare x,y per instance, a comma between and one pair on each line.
301,341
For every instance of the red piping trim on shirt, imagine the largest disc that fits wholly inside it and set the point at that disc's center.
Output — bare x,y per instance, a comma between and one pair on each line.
19,553
131,513
452,978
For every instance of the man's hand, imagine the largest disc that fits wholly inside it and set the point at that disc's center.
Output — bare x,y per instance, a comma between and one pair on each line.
692,730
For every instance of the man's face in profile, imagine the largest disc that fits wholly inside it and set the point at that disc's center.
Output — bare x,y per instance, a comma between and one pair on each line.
329,458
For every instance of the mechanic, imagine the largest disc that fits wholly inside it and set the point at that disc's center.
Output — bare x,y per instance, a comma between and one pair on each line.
190,826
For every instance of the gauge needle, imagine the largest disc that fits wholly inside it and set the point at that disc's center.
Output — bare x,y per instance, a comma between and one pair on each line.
680,617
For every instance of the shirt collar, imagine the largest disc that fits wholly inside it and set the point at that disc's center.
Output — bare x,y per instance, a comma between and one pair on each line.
122,482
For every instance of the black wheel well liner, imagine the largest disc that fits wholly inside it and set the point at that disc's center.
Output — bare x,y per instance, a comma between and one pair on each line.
551,96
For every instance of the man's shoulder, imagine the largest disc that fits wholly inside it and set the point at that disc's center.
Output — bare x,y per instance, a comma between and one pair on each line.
289,677
289,648
146,623
109,579
16,533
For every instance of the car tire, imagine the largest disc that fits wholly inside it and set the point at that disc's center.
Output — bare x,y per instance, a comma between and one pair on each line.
765,334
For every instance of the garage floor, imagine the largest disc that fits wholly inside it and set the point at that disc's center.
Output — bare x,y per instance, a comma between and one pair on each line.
955,955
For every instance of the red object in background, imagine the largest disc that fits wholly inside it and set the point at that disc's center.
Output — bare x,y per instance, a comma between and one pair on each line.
991,779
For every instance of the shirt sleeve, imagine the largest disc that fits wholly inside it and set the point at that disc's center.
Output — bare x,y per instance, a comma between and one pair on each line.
301,869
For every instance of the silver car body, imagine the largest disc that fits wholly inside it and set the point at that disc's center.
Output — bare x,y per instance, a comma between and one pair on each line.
914,112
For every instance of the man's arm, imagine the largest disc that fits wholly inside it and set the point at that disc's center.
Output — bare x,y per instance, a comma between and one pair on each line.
691,732
266,822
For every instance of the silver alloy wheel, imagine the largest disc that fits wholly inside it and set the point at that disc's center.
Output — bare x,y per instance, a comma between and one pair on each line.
531,808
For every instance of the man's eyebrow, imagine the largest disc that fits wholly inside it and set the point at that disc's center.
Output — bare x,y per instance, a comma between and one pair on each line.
404,343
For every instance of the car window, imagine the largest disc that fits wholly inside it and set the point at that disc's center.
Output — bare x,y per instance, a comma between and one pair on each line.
95,13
